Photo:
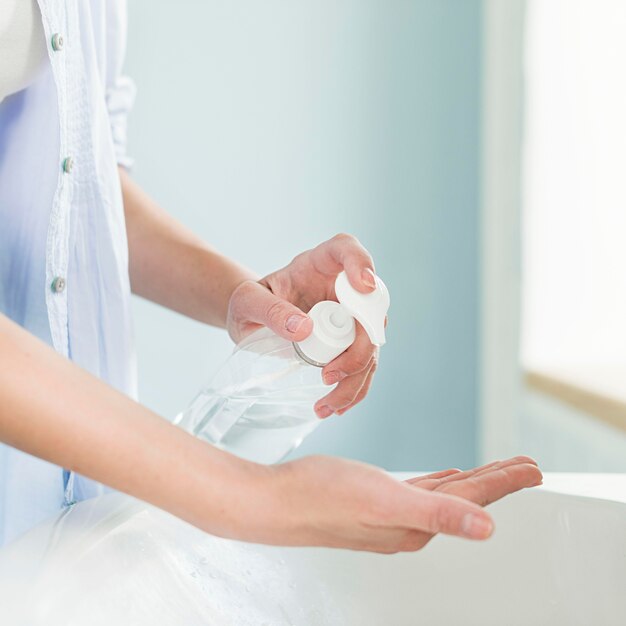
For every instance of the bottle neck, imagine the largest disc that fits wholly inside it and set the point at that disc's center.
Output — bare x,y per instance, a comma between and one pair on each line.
304,358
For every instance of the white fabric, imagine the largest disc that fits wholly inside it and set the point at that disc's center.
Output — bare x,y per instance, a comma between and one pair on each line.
69,225
22,45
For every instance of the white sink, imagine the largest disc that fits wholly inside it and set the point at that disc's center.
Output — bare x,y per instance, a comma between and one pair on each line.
558,557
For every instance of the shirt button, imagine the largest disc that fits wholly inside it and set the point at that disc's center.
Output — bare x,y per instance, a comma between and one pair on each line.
58,284
68,164
57,42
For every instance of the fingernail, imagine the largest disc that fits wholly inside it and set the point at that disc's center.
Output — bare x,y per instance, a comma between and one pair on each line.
324,411
476,527
334,377
367,276
294,322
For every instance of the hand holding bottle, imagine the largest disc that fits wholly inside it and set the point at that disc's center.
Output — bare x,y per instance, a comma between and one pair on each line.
280,299
260,403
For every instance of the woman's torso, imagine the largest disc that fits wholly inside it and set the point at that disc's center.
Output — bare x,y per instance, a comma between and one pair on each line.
63,248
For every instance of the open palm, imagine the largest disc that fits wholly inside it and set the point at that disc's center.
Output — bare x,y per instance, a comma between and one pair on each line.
482,485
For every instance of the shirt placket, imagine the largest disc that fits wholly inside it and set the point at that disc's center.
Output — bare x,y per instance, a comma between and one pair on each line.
58,35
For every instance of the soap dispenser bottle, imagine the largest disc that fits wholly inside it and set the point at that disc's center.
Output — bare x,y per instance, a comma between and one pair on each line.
259,405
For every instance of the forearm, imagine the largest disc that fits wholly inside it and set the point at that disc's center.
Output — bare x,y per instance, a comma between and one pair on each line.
54,410
171,266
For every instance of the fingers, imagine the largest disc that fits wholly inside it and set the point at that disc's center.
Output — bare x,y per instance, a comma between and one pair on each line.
252,302
522,458
491,485
365,387
434,482
345,252
354,371
494,465
356,359
344,394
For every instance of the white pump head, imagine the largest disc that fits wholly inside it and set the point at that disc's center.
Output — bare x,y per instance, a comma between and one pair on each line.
369,309
333,323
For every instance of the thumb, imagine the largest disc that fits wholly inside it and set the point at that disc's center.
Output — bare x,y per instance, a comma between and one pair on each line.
444,513
259,305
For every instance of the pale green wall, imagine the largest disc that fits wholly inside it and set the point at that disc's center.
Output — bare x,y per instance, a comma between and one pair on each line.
270,126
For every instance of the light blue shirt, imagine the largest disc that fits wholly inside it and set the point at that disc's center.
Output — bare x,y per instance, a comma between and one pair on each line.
63,248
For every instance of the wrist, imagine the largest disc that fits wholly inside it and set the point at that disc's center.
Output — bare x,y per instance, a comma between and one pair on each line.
231,497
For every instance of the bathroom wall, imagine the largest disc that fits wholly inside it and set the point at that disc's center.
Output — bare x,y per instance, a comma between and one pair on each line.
268,127
563,439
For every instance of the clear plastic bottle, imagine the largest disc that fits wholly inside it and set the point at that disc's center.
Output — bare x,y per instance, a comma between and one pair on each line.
259,405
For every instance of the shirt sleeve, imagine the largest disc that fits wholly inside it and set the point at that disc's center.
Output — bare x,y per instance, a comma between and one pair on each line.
120,89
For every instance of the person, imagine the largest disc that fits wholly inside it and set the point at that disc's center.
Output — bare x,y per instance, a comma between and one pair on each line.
77,236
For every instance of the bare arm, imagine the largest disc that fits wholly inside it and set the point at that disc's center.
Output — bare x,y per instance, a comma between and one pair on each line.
51,408
172,266
54,410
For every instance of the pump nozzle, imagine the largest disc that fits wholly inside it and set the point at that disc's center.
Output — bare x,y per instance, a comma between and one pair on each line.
333,323
369,309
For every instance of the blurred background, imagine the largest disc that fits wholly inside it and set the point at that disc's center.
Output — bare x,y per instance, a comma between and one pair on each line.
475,148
